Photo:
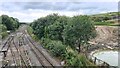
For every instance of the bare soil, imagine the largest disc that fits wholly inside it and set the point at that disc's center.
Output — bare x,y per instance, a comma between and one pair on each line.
106,36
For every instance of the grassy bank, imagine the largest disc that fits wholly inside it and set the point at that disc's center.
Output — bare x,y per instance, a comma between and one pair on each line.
30,31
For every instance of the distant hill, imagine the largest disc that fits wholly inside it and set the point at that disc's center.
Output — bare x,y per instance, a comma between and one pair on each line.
24,23
110,18
110,15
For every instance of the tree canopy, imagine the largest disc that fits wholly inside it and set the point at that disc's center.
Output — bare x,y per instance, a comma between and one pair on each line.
79,31
7,23
10,22
72,31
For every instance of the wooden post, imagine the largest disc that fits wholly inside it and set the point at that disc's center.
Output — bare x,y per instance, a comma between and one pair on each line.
87,47
95,60
79,48
79,45
4,54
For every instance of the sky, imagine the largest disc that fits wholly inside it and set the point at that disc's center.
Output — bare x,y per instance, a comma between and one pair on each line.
31,10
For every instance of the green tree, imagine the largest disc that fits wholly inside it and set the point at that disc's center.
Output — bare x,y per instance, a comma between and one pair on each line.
40,25
79,31
3,27
55,30
10,22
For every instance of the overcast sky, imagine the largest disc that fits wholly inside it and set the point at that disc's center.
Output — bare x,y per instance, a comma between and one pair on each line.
29,11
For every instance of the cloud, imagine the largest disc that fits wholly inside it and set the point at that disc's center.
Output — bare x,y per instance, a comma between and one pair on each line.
34,14
28,11
60,6
60,0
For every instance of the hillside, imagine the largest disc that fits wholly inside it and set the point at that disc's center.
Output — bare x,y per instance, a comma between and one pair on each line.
109,19
111,15
107,35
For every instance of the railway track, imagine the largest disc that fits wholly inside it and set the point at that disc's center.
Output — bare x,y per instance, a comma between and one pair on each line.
22,44
5,44
22,53
18,56
13,55
4,49
40,56
19,61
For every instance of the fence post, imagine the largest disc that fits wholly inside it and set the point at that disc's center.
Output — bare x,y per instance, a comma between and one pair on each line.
95,60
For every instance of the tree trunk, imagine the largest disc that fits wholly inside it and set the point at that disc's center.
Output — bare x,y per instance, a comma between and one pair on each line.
79,47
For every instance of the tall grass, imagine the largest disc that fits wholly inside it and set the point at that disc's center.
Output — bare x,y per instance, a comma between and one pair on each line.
30,31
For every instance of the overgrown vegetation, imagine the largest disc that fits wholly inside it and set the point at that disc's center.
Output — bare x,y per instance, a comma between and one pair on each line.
3,31
79,31
55,47
10,22
30,31
61,35
65,53
7,23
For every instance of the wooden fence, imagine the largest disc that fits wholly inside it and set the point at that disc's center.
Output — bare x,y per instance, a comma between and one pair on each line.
97,61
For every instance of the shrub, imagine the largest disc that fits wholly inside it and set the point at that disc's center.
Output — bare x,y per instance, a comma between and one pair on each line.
45,41
55,47
71,57
3,34
30,31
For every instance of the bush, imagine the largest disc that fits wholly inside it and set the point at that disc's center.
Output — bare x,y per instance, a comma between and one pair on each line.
64,52
3,31
3,34
55,47
78,60
45,41
70,53
30,31
71,56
